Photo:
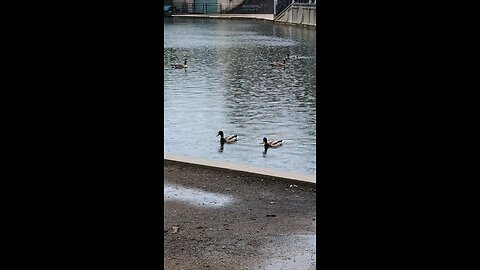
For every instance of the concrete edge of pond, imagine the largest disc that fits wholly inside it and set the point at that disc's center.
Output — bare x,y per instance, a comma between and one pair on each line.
266,17
222,165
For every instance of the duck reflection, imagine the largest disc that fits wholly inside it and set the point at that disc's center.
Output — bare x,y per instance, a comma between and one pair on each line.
220,150
265,149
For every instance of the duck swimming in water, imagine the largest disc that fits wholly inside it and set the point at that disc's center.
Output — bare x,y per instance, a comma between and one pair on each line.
180,66
292,56
278,64
273,143
227,139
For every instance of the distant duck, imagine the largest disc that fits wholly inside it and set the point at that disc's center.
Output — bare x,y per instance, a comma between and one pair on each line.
292,56
273,143
180,66
278,64
227,139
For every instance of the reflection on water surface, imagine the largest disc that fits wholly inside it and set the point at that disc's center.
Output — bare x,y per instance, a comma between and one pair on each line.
229,85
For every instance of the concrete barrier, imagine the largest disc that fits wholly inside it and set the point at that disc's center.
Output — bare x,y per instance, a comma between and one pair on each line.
266,17
299,14
239,167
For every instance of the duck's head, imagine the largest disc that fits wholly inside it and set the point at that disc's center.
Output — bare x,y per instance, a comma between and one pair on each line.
265,140
220,133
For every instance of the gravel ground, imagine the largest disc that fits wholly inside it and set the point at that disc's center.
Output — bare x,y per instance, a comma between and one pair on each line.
219,219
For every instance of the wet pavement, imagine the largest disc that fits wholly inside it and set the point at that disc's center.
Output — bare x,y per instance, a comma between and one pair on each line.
195,197
218,219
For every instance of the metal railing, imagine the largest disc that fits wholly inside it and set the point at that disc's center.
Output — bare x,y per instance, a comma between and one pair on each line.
187,8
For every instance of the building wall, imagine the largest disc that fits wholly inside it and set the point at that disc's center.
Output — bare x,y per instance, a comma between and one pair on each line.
224,5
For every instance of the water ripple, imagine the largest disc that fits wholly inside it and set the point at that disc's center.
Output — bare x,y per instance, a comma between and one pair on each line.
230,86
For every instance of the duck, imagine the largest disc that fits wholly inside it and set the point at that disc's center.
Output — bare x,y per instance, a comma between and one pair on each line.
278,64
292,56
227,139
180,66
273,143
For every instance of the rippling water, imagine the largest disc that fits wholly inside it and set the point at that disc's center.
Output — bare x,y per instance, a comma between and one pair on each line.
230,86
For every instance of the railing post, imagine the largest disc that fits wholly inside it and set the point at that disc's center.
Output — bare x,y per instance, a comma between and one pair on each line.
274,8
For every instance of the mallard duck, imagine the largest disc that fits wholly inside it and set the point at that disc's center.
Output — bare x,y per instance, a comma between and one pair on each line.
273,143
278,64
180,66
227,139
292,56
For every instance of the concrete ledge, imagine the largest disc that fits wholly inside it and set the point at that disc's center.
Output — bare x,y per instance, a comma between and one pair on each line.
311,26
239,167
266,17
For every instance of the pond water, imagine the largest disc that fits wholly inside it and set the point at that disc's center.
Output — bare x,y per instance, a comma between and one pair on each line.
229,85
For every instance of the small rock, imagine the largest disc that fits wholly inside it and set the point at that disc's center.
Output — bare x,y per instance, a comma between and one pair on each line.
175,229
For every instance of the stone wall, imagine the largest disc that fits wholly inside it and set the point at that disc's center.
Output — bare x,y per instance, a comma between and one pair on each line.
299,14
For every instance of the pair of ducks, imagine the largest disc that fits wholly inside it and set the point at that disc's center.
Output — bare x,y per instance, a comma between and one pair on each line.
233,138
274,64
284,64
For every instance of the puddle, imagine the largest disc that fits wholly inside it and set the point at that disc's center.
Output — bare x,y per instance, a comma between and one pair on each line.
195,196
291,252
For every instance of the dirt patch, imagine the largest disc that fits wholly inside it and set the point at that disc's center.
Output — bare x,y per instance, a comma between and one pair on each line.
218,219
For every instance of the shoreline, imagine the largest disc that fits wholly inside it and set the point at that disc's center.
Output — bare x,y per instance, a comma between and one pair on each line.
261,17
239,168
265,17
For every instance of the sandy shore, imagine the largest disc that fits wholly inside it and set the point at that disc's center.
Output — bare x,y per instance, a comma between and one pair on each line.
216,219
